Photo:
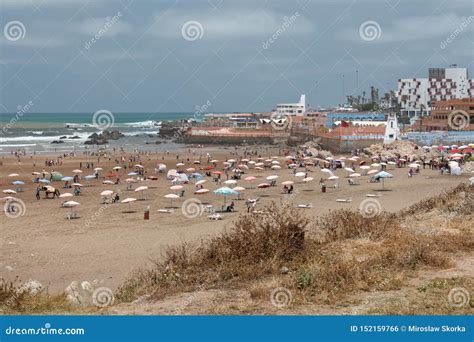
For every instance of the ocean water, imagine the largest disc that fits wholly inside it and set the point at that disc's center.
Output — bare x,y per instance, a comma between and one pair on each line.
34,132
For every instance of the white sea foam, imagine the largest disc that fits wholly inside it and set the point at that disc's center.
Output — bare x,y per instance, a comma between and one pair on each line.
149,123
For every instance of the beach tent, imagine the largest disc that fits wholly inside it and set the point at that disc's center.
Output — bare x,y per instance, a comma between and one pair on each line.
171,174
455,171
197,176
181,178
56,176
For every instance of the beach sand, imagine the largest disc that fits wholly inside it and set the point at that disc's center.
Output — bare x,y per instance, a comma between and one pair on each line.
45,246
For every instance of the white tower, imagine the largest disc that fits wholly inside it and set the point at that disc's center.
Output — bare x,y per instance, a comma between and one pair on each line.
392,132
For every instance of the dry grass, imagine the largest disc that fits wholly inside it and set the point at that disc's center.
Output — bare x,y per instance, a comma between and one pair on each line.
13,300
256,246
351,253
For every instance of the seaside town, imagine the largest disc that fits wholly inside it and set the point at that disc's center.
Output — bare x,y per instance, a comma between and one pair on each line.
237,158
101,224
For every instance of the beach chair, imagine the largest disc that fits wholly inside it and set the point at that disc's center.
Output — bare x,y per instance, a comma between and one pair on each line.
305,206
73,215
215,217
165,211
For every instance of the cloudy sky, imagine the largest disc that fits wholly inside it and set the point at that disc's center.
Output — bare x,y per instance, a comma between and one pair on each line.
246,55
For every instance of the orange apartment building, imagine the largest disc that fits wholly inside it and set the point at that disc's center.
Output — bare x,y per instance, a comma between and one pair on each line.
444,111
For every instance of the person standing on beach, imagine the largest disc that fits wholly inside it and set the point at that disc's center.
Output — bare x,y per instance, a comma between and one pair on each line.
38,189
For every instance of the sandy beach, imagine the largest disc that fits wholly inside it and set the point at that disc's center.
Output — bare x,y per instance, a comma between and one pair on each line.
107,244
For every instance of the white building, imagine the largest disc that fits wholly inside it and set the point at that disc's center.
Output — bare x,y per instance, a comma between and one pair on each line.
392,131
415,95
292,109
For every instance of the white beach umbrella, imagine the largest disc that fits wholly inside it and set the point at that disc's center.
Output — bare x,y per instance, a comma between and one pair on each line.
308,179
276,167
13,175
332,178
355,175
129,201
9,191
65,195
287,183
250,178
107,181
171,197
202,181
201,191
142,189
272,177
176,187
105,193
371,172
77,171
348,169
300,174
230,182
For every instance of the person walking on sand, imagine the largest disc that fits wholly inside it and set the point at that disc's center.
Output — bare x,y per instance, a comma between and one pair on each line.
38,189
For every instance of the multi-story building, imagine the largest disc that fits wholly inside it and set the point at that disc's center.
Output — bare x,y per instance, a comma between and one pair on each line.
449,115
292,109
417,95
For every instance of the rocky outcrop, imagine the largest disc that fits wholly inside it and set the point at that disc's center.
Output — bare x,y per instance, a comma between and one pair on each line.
174,130
103,138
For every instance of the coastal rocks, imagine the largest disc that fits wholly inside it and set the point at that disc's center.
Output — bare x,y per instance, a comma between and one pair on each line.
103,138
398,149
174,130
57,142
